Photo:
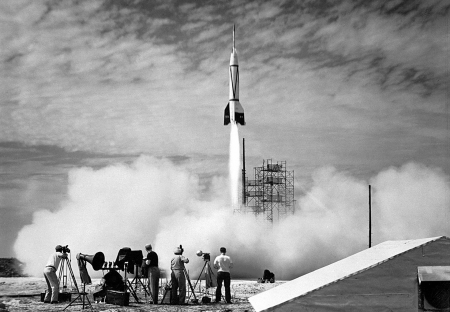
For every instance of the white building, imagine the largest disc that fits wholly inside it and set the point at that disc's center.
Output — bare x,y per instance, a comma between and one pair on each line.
407,275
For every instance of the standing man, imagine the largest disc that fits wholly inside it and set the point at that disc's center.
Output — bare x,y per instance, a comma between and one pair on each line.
223,263
51,295
151,262
177,277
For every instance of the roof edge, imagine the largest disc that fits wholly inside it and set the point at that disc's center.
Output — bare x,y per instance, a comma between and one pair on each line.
430,240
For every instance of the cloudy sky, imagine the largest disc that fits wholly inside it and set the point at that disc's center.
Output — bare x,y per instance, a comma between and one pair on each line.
350,90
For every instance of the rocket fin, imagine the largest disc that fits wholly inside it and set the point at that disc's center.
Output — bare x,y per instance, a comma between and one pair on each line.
239,114
226,120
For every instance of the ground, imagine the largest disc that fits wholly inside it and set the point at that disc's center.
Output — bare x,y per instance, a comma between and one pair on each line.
23,294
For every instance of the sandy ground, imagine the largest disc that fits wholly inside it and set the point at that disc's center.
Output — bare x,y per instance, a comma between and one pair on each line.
23,294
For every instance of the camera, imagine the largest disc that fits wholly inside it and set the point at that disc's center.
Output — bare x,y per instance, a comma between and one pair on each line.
204,255
130,258
65,249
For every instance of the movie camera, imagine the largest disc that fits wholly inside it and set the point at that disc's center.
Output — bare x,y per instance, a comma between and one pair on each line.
65,249
206,256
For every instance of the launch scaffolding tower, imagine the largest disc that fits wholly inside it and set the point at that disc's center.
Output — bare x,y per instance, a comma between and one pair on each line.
271,192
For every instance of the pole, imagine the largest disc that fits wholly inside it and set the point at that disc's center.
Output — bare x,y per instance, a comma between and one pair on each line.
370,216
244,199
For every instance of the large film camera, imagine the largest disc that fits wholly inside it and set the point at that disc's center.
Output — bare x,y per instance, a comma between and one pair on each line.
131,257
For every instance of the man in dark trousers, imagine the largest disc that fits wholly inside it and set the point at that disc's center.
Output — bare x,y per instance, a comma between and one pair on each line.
223,264
151,264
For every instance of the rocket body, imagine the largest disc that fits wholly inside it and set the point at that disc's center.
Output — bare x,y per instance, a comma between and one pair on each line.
234,111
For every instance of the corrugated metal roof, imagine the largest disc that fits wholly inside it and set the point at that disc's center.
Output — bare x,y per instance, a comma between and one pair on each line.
334,272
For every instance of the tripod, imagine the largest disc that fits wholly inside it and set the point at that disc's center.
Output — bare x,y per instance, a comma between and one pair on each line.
63,268
209,276
136,280
82,295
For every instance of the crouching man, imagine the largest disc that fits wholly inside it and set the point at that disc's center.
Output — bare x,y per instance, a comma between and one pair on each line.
51,295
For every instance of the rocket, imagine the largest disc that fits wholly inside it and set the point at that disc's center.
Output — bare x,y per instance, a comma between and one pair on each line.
234,111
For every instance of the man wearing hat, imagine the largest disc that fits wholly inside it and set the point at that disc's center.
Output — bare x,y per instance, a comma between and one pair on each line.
151,264
177,277
51,295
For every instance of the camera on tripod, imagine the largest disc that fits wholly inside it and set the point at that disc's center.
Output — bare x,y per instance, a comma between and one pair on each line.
204,255
65,249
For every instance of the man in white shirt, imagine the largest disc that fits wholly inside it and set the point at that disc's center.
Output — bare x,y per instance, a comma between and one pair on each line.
51,295
223,264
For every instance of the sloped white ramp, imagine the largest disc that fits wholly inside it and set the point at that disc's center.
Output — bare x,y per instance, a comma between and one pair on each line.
334,272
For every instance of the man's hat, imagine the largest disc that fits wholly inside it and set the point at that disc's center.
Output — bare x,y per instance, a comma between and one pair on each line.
58,248
178,250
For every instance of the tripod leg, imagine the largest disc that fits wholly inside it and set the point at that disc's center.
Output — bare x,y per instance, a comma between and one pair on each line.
148,291
168,288
72,275
80,294
83,300
127,285
190,285
85,295
132,291
200,275
61,275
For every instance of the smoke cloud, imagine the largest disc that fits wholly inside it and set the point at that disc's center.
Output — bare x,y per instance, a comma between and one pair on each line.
412,201
155,201
234,165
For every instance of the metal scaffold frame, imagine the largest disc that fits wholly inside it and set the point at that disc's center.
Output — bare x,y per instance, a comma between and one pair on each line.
271,192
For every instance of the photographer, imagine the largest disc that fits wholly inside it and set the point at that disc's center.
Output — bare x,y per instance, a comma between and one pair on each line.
177,277
150,265
223,263
51,295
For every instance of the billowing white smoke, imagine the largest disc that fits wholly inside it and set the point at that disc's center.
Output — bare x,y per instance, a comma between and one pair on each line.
412,201
154,201
234,165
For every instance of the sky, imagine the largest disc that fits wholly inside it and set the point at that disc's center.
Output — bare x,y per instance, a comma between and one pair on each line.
111,125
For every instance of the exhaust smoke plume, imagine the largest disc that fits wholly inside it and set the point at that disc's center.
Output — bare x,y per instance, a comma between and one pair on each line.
234,165
155,201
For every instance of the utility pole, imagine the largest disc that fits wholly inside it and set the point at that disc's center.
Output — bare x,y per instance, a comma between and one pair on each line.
370,216
244,199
